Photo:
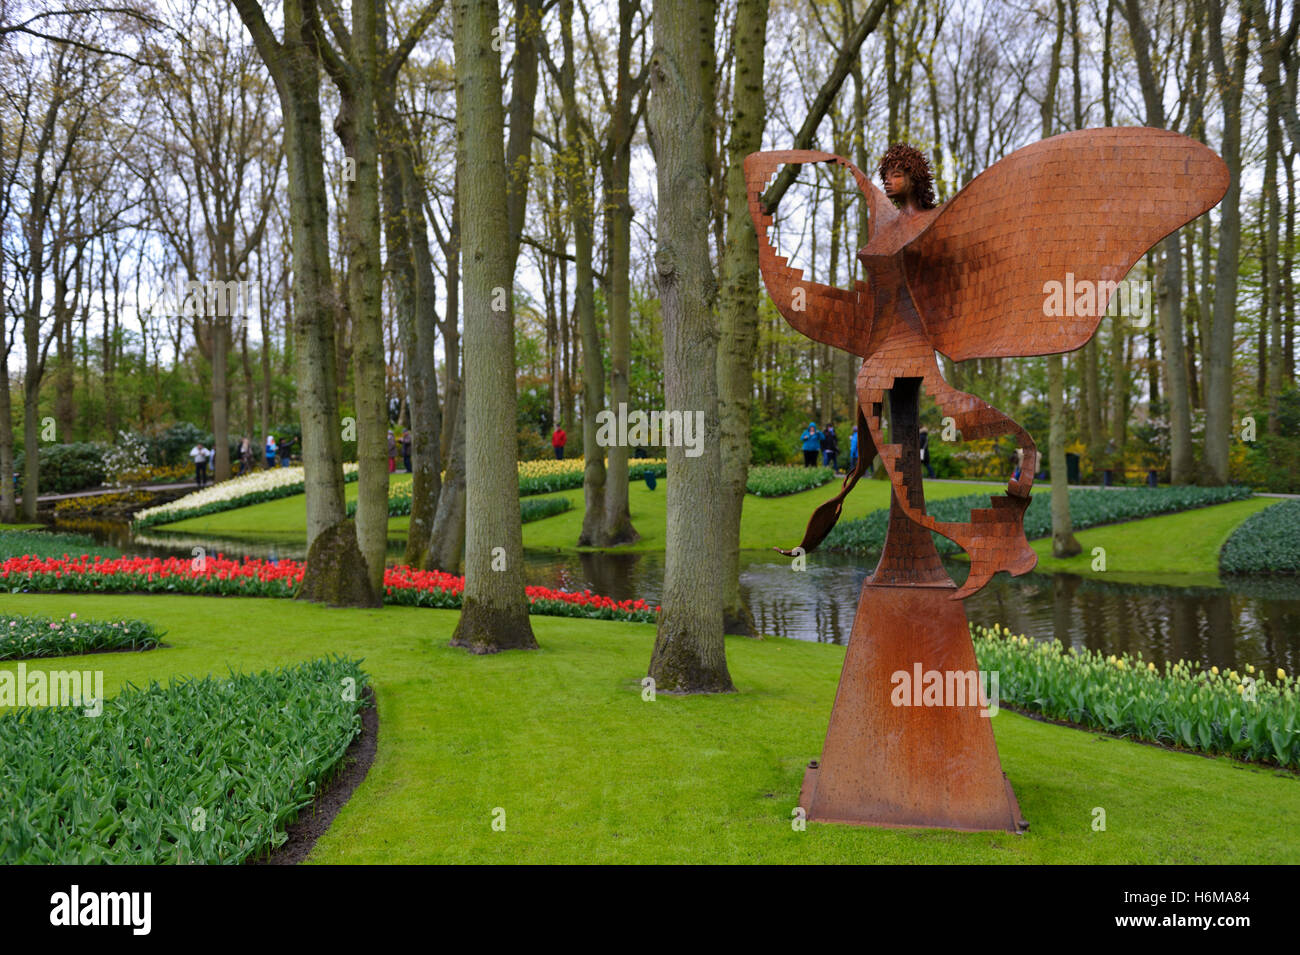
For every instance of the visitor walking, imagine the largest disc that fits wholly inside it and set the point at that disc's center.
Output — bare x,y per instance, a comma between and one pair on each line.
406,449
925,451
286,452
853,449
830,448
270,451
557,443
392,452
245,455
812,443
199,455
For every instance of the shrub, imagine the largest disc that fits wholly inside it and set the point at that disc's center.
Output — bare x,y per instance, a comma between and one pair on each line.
248,751
129,455
66,468
172,447
1267,542
536,508
531,446
768,447
1272,463
943,459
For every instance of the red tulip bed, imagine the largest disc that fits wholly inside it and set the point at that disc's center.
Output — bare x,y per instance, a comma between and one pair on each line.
261,578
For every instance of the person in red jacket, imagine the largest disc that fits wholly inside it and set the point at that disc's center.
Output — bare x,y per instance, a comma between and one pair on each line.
557,442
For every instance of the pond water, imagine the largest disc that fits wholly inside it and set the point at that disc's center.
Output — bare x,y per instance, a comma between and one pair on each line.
1253,621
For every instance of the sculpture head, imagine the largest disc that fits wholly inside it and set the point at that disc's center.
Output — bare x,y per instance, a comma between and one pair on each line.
905,173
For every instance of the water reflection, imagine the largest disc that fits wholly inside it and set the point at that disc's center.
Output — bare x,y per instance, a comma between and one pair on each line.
1254,622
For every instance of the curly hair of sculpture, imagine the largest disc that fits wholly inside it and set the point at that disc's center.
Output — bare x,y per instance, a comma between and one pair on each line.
912,162
967,279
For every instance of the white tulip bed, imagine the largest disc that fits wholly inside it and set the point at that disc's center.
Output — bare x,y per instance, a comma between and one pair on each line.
237,492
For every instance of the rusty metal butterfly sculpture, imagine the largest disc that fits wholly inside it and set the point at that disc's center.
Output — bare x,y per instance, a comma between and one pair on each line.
968,279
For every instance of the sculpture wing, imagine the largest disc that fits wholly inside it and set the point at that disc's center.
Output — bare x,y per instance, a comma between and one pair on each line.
1090,203
834,316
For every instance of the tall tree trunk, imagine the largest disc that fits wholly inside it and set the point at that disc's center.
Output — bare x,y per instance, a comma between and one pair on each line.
594,476
296,71
264,404
1218,364
1170,275
447,539
358,129
220,397
247,362
415,300
1170,309
1063,542
1118,381
494,615
8,506
34,367
451,325
738,308
1270,252
1288,266
618,527
689,652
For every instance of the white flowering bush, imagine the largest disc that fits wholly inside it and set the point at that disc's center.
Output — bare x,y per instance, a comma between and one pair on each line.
240,491
130,454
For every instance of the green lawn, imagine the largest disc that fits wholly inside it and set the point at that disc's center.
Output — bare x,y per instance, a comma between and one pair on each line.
1177,549
588,772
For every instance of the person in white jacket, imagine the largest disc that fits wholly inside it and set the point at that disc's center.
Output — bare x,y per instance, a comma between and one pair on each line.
200,455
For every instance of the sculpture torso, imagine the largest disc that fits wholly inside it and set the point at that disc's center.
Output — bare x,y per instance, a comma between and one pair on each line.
886,283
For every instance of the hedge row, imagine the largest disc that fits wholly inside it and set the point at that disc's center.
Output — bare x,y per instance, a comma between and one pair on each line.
530,508
1267,542
775,480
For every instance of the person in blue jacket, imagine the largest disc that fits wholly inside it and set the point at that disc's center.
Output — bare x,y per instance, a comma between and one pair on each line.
812,444
853,449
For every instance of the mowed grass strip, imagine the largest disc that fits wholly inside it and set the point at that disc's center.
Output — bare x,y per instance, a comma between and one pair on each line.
1176,549
585,770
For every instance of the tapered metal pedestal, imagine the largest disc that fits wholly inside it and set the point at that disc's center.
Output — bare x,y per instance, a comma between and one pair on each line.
933,766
